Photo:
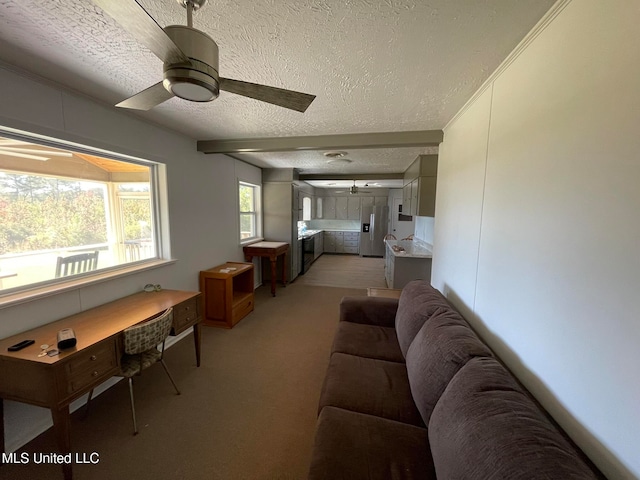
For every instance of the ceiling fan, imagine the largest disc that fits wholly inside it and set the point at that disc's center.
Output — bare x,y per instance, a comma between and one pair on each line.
20,149
354,189
190,61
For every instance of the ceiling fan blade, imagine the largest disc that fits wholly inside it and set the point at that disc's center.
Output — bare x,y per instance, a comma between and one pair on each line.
147,99
276,96
135,19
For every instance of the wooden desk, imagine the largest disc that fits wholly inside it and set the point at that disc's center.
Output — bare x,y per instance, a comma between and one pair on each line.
54,382
272,250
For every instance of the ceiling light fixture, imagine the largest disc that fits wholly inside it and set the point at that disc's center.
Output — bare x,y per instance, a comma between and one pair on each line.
339,161
334,154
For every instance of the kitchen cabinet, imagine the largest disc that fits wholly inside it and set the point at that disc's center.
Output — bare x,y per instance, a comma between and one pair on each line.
318,245
406,199
401,268
319,207
342,208
353,208
329,242
342,242
351,242
366,202
329,207
381,201
419,190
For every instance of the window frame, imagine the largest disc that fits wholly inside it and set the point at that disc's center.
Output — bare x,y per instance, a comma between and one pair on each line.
160,223
256,212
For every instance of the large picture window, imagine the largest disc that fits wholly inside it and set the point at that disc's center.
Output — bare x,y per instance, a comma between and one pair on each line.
67,213
249,202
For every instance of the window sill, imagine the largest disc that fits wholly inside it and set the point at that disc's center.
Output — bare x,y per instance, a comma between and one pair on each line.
36,293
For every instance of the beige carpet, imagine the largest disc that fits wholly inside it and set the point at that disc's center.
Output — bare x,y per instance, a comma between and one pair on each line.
345,271
249,412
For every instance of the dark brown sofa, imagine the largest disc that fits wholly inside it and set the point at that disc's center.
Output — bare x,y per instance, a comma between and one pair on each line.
411,392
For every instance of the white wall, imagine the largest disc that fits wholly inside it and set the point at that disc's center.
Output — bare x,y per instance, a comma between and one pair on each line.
202,207
537,228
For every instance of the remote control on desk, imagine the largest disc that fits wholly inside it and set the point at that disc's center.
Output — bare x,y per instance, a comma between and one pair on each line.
21,345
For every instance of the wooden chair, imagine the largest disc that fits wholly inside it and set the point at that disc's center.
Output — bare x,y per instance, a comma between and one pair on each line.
74,264
140,352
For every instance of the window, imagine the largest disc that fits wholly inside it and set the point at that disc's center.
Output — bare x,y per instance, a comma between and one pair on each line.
249,201
59,207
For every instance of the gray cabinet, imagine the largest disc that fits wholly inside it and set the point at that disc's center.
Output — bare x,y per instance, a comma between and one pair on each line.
419,190
399,270
353,208
318,245
342,242
329,242
342,208
329,208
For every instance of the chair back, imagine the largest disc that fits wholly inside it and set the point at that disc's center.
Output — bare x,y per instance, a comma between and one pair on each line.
74,264
149,334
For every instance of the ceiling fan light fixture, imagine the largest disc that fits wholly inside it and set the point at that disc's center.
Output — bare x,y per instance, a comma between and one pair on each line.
186,84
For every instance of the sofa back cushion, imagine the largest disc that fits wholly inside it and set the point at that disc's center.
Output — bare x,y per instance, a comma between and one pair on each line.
442,346
418,302
486,426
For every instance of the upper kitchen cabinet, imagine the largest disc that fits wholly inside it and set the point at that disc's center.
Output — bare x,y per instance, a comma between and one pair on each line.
329,208
353,208
419,190
342,208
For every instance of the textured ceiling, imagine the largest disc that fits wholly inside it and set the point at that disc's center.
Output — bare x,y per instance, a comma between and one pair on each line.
375,65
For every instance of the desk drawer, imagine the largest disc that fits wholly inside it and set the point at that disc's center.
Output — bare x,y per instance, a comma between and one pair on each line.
185,315
89,366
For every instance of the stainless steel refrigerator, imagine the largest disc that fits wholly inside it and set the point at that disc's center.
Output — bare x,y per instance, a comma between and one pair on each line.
373,228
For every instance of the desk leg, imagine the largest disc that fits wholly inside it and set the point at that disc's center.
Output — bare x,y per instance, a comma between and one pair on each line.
284,269
2,425
274,261
198,340
61,426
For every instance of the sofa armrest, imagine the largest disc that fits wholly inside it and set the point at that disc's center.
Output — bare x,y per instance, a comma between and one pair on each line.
380,311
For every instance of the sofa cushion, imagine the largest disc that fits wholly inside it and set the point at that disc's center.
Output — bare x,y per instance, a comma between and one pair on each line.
350,445
418,302
441,347
486,426
367,341
379,311
367,385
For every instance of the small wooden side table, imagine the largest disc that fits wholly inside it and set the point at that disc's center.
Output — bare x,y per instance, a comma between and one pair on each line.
227,294
272,250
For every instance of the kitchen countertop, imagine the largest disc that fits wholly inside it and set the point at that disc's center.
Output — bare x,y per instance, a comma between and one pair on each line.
412,248
310,233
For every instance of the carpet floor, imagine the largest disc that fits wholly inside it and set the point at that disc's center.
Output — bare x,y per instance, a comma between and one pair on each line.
249,411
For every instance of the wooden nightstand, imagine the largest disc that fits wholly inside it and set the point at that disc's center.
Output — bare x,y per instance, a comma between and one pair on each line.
227,294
